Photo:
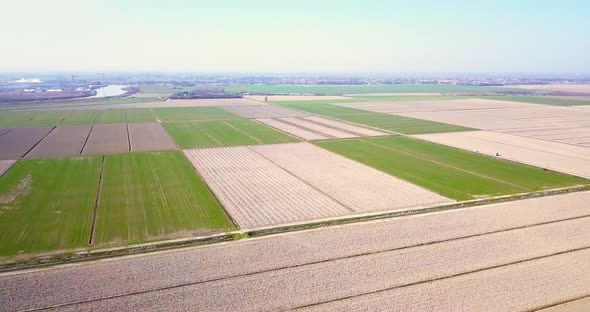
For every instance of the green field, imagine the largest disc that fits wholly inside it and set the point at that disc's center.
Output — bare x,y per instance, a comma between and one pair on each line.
537,100
149,196
78,103
364,89
454,173
192,113
224,133
30,119
140,115
47,205
399,124
403,98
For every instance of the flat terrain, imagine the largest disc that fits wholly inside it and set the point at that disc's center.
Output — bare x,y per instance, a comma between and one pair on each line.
319,128
559,124
369,266
15,143
192,114
256,192
431,105
224,133
356,186
62,141
30,119
448,171
149,137
107,139
272,98
560,157
581,88
361,89
148,196
383,121
5,165
46,205
546,100
264,111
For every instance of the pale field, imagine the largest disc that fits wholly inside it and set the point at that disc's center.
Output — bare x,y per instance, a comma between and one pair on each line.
353,184
426,106
560,157
153,273
556,87
318,128
149,137
291,129
110,138
581,305
5,165
362,131
263,111
258,193
559,124
505,271
277,98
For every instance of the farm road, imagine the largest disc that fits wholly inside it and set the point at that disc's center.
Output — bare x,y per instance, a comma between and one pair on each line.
521,255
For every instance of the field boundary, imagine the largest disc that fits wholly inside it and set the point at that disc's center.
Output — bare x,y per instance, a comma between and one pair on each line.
96,202
89,255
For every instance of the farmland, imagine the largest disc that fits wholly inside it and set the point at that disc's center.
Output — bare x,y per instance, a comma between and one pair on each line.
223,133
450,172
364,89
148,196
539,100
46,205
383,121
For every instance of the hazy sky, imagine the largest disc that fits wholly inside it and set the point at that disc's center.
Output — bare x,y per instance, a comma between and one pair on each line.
296,36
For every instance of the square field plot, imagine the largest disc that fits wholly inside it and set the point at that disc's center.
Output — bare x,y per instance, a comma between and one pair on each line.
224,133
47,204
257,192
149,137
150,196
448,171
111,138
319,128
15,143
62,141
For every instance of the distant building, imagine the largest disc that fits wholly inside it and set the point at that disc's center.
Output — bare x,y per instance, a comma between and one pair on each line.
32,80
54,90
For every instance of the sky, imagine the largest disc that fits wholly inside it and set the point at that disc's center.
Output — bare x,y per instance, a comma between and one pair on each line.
295,36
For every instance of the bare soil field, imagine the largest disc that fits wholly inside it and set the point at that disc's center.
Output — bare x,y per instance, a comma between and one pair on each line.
257,193
15,143
291,129
111,138
149,137
577,88
263,111
428,106
318,128
154,273
5,165
560,157
570,97
277,98
558,124
353,184
339,125
62,141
